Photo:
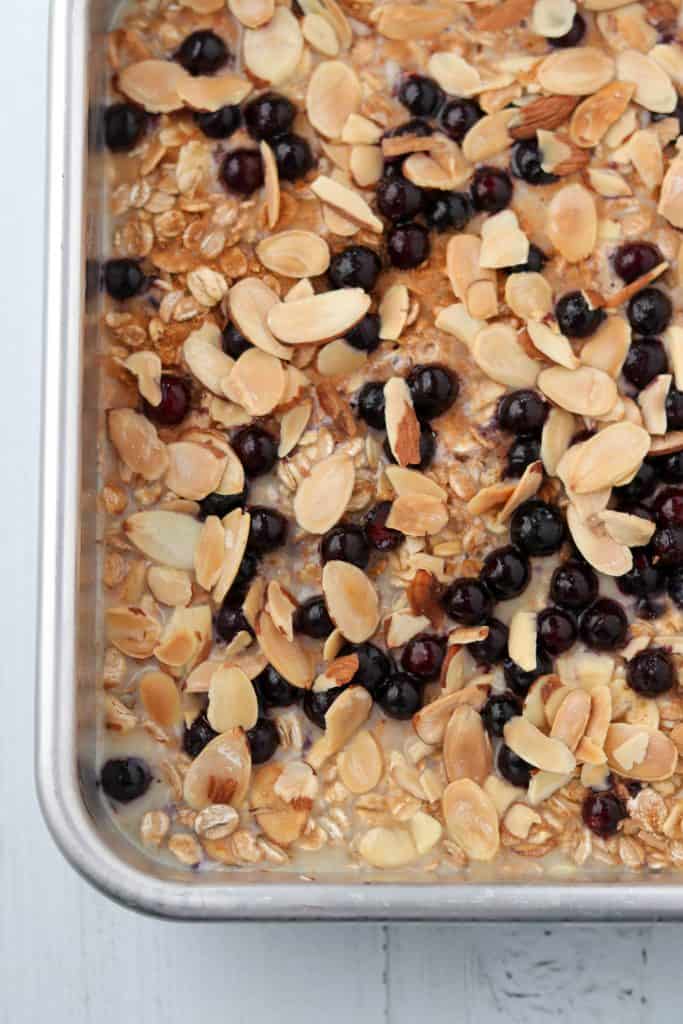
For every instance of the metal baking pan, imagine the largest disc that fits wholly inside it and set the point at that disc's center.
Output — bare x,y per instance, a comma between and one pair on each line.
70,626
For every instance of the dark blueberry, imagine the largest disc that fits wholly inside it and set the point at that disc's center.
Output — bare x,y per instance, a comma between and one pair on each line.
505,572
491,189
447,211
263,740
433,389
123,279
423,656
313,618
256,449
670,468
645,359
175,401
415,126
234,342
674,409
573,37
346,543
267,530
229,621
522,412
602,812
370,403
407,245
644,578
355,267
197,735
521,453
269,115
220,504
497,712
557,630
317,704
458,116
494,648
649,311
125,778
398,199
513,768
421,95
124,126
525,163
202,53
651,672
634,259
675,587
535,262
240,585
574,585
374,666
427,447
400,696
641,487
293,156
365,335
467,601
668,507
274,690
242,170
221,123
575,317
537,528
380,536
667,545
604,625
520,680
648,608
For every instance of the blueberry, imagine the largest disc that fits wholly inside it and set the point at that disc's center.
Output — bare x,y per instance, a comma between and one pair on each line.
670,468
242,171
175,402
634,259
537,528
400,696
355,267
293,156
644,578
557,630
346,543
505,572
256,449
269,115
274,690
604,626
420,95
513,768
467,601
221,123
433,389
427,447
313,618
370,404
263,739
123,279
230,620
640,487
317,704
267,529
668,507
447,211
125,778
649,311
522,412
202,53
423,656
124,126
374,666
651,672
525,163
365,335
535,262
458,116
667,545
645,360
675,586
519,680
674,409
574,585
521,453
497,712
233,341
491,189
197,735
573,37
380,536
220,504
494,648
407,245
575,316
398,199
602,812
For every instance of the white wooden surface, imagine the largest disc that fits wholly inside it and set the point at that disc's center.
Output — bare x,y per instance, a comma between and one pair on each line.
69,956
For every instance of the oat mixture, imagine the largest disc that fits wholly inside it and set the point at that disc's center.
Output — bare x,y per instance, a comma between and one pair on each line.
393,338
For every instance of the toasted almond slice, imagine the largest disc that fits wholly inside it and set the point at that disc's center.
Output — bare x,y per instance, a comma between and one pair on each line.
403,429
186,638
481,299
366,165
522,640
281,607
384,847
271,183
503,243
454,74
296,383
132,631
301,290
349,711
393,312
154,85
169,538
471,819
210,93
220,773
608,457
584,391
250,300
499,354
501,793
320,35
457,321
600,715
577,71
607,348
194,470
431,721
412,21
361,764
558,430
544,784
359,130
528,485
323,495
652,401
334,93
252,13
552,18
607,183
347,202
572,221
292,426
520,819
646,155
171,587
552,344
338,225
400,145
633,531
236,525
338,359
635,753
137,443
209,553
597,113
490,497
571,718
256,382
625,293
488,136
146,368
418,515
289,657
463,264
425,830
351,599
206,362
402,627
528,742
466,746
528,295
232,701
467,634
673,342
654,89
328,315
412,481
160,698
272,52
597,547
671,442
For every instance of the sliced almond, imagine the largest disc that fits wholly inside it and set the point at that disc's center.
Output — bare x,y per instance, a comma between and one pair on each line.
186,638
528,485
412,21
607,183
454,74
402,627
408,482
503,243
552,344
366,165
351,599
652,402
154,85
146,368
194,470
608,457
597,547
572,221
343,719
541,751
236,533
252,13
488,136
220,774
457,321
211,92
328,315
358,130
584,391
171,587
250,300
571,718
552,18
132,631
670,442
463,267
466,746
393,312
320,35
595,115
522,640
289,657
498,353
425,830
271,183
169,538
654,89
624,294
209,554
281,607
339,359
384,847
645,151
431,721
544,784
232,701
490,497
137,443
256,382
633,531
600,715
528,295
205,360
292,427
273,51
418,515
160,698
471,819
347,202
334,93
577,71
607,348
403,429
558,430
635,753
361,764
323,495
